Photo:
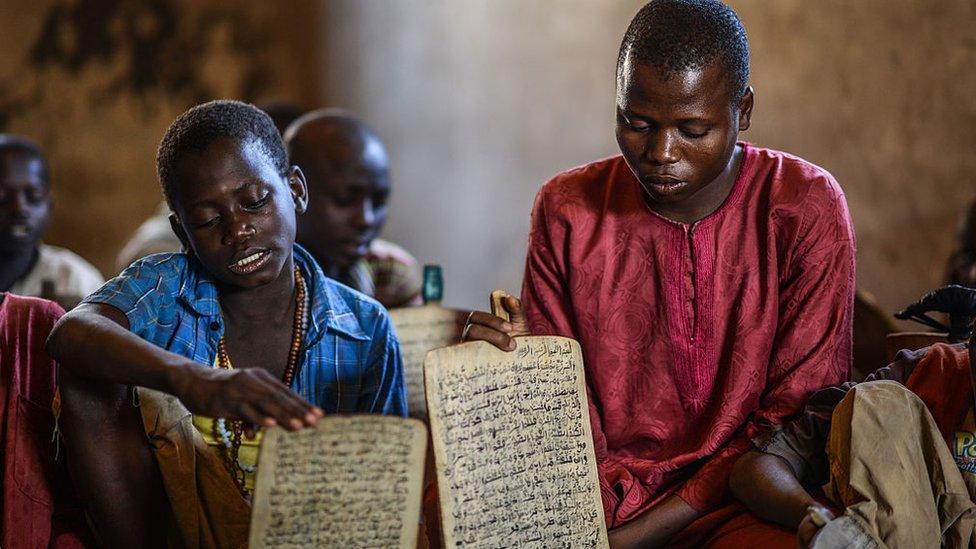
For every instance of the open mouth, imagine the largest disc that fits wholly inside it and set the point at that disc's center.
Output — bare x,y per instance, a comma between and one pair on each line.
250,263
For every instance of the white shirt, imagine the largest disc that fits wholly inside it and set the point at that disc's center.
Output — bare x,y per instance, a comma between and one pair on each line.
72,276
154,236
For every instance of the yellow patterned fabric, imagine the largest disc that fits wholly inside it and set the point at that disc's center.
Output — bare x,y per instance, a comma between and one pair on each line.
248,454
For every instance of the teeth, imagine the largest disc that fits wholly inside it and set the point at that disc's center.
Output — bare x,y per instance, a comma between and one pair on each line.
20,230
249,259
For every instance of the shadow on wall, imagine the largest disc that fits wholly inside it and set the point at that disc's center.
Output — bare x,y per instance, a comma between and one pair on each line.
157,47
97,82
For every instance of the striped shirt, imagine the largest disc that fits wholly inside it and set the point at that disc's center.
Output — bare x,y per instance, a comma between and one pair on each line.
350,359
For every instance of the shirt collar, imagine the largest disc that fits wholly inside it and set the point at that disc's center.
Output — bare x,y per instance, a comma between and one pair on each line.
198,291
328,310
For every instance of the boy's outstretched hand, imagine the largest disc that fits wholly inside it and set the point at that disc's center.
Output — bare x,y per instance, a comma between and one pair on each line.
252,395
495,329
94,341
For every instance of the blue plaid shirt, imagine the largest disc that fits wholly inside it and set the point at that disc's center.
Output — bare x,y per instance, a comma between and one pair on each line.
350,357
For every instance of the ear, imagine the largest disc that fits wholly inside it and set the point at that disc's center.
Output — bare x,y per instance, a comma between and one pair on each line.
745,109
299,189
174,223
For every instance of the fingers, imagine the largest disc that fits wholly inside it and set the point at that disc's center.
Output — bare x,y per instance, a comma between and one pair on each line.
249,415
516,314
482,326
276,404
513,305
491,321
498,338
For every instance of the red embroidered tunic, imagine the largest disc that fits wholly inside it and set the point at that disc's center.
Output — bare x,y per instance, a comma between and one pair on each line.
696,337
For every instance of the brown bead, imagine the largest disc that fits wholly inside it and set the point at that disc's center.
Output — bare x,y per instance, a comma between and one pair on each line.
223,361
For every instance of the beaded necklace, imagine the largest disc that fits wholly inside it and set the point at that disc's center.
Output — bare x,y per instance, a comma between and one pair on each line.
231,439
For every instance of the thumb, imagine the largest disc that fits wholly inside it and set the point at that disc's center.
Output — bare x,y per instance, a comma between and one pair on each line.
513,305
509,308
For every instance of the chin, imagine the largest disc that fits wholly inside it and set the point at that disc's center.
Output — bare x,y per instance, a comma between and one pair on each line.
668,199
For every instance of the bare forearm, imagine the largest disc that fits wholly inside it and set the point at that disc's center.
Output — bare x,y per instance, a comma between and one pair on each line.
767,485
95,346
656,526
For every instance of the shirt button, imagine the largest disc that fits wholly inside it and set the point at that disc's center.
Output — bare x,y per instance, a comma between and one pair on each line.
215,325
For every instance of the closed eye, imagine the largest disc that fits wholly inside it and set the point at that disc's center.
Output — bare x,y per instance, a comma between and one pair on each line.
635,125
208,223
36,196
258,204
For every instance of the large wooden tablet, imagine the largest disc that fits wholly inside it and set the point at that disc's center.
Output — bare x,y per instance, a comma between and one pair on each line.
513,445
419,330
352,481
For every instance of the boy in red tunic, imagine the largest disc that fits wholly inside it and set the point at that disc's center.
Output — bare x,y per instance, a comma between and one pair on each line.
708,281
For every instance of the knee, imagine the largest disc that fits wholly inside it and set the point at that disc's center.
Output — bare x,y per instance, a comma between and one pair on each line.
740,478
883,394
87,401
884,407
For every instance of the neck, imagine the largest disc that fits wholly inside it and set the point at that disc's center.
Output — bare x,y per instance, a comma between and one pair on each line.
333,271
706,200
15,264
272,302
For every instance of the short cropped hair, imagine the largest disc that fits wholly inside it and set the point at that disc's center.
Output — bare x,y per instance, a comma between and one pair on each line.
679,35
10,142
199,127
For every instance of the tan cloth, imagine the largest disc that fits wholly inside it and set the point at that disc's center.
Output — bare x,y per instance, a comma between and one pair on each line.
154,236
389,274
71,275
892,471
208,509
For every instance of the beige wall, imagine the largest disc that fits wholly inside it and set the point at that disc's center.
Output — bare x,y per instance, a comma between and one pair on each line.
101,128
882,94
480,101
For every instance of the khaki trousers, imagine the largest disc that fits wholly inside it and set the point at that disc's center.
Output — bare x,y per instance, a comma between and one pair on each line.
208,510
893,472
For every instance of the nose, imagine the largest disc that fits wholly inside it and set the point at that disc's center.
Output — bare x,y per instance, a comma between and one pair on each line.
239,230
365,215
663,148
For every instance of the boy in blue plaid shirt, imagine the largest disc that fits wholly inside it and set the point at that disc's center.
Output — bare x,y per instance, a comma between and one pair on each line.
240,332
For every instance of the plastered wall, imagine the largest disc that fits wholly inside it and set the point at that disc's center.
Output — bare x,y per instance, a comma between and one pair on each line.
97,83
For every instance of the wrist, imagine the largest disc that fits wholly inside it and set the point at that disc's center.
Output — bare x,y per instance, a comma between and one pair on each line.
799,509
179,376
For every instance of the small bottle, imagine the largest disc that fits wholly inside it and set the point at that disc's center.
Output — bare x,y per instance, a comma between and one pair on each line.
433,290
